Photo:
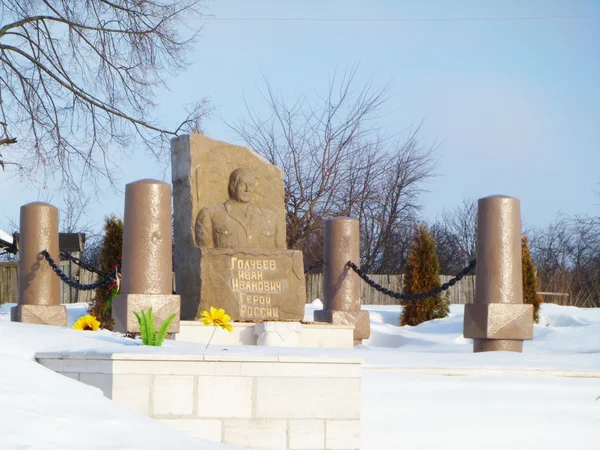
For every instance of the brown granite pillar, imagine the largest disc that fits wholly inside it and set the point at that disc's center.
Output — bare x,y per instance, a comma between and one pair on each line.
341,285
498,320
147,257
39,287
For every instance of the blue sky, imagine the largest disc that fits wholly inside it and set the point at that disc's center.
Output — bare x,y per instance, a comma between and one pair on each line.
515,104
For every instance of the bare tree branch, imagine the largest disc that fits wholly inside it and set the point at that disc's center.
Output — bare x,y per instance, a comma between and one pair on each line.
77,81
456,235
567,257
336,162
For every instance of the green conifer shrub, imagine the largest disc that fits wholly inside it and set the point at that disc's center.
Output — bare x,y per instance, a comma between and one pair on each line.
530,283
110,256
421,275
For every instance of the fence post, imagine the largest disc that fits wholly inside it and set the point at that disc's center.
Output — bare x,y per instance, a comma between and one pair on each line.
38,299
341,285
498,320
147,264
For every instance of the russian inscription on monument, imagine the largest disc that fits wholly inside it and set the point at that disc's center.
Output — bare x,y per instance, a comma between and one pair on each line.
250,279
254,284
235,258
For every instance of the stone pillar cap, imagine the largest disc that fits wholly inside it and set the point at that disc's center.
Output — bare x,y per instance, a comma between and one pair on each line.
148,181
342,218
498,196
39,204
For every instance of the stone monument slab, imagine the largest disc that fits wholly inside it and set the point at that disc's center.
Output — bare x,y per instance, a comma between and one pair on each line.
229,209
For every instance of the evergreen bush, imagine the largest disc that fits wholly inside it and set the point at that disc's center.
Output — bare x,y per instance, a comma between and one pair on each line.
530,282
421,274
110,256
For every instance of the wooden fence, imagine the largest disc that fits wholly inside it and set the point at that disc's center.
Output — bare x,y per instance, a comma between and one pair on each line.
9,283
461,293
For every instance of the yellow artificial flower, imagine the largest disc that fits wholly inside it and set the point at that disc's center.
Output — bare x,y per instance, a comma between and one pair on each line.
217,317
87,323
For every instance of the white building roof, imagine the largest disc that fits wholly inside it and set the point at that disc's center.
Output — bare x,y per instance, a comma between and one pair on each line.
6,237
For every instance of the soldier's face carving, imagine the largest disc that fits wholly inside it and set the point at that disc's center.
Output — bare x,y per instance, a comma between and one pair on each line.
244,188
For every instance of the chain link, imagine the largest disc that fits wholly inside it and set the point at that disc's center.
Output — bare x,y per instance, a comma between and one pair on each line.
314,266
82,264
402,296
73,283
109,278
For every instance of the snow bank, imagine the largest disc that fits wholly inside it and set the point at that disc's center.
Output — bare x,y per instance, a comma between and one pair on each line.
41,409
564,340
491,412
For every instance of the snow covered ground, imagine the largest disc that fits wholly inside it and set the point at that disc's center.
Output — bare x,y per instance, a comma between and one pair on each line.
40,409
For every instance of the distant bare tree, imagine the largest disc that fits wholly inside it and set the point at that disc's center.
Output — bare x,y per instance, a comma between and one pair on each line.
551,247
447,249
72,213
456,234
71,220
567,256
335,162
390,203
77,79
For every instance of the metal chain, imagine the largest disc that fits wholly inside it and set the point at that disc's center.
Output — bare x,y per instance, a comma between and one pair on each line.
314,266
82,264
402,296
73,283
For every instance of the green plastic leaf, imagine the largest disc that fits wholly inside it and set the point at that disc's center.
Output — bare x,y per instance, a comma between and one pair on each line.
162,333
151,330
145,337
107,305
143,325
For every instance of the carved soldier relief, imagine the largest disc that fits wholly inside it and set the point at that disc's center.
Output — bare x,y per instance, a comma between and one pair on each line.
238,223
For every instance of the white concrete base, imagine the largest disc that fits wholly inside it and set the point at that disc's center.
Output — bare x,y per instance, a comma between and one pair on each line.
278,334
258,402
313,335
